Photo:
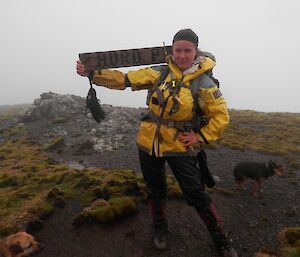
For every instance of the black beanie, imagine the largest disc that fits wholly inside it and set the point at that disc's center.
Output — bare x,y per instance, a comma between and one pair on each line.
186,34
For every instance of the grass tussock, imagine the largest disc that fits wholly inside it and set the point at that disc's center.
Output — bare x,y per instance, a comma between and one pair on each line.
289,240
273,133
32,186
102,211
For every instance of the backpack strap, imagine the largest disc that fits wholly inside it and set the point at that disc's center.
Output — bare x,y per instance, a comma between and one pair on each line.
204,81
164,72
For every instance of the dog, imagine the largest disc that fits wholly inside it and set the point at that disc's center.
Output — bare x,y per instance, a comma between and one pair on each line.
259,172
20,244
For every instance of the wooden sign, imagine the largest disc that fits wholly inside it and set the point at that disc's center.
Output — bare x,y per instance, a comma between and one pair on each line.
124,58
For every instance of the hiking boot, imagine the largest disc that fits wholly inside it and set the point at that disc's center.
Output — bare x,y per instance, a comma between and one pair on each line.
214,225
160,234
160,223
222,244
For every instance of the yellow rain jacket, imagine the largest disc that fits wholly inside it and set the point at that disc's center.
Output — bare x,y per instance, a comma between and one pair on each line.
161,140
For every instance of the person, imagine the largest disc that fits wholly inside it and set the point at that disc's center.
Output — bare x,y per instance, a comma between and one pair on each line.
169,133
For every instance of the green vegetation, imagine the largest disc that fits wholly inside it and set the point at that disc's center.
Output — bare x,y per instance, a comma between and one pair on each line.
102,211
54,143
32,185
269,133
289,239
274,133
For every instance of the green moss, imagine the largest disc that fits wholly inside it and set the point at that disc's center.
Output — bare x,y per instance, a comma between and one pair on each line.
297,243
97,191
3,176
262,132
102,211
220,190
61,167
294,164
118,183
292,235
43,210
50,178
10,181
8,230
60,120
294,252
54,193
104,214
85,182
54,143
174,191
123,206
14,132
30,168
12,201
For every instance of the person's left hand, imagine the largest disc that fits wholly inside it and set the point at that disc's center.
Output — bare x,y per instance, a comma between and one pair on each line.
81,69
188,138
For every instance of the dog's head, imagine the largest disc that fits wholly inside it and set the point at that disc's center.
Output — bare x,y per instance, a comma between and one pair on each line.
276,169
22,242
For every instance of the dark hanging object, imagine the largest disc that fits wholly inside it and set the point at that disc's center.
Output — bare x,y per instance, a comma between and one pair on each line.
206,176
93,104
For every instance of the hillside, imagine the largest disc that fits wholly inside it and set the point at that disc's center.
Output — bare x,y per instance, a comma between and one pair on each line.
56,160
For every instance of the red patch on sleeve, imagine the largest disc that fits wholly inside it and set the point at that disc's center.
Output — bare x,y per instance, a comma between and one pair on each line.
217,94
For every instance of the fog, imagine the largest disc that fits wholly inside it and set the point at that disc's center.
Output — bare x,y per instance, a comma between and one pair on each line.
256,44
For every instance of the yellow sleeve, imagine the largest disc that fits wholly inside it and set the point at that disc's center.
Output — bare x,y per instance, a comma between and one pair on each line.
142,78
112,79
215,108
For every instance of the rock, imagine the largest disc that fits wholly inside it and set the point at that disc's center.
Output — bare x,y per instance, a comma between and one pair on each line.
65,116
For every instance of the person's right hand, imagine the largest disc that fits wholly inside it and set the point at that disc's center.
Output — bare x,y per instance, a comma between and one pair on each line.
81,69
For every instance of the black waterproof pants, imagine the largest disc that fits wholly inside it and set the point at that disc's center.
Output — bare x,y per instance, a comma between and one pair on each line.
185,171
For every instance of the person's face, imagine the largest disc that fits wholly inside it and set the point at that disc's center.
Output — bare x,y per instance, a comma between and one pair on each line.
184,53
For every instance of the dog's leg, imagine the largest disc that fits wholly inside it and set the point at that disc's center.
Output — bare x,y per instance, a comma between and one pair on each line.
243,182
262,185
259,187
255,186
240,184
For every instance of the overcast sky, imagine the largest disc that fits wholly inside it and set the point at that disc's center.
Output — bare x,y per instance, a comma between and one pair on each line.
256,44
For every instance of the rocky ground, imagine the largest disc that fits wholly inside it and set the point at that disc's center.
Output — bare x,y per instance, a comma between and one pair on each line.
251,222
